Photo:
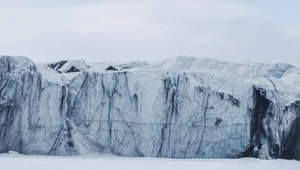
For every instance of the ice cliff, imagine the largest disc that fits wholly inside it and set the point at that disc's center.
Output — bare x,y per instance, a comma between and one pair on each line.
183,107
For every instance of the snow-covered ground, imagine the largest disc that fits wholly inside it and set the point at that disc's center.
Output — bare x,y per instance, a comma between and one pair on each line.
18,162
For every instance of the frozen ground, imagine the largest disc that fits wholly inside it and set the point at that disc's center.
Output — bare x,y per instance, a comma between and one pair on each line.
17,162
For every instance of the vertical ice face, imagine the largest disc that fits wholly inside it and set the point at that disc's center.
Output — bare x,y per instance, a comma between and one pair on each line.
179,108
31,108
179,116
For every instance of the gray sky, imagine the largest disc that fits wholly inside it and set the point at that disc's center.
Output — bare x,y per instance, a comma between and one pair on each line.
151,30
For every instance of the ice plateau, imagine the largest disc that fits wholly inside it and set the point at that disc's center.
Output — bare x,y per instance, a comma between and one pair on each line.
183,107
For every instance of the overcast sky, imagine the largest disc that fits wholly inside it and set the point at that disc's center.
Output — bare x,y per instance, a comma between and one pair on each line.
151,30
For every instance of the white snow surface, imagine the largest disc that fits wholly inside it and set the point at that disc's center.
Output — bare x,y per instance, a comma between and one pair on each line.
17,162
241,70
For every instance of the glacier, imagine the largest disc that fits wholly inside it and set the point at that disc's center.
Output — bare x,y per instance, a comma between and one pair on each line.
183,107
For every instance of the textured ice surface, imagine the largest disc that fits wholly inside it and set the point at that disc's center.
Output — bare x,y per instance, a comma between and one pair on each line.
179,108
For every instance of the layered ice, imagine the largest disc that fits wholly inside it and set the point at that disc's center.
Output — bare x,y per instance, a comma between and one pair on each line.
183,107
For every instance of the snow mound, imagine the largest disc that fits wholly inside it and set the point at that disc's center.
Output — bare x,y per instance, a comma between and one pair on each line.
69,66
292,77
241,70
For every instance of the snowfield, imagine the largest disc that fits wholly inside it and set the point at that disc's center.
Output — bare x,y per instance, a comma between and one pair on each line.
17,162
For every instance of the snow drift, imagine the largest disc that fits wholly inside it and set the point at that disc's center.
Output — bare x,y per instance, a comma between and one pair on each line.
179,108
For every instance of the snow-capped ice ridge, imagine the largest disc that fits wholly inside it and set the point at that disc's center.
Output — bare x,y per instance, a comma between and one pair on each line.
182,107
